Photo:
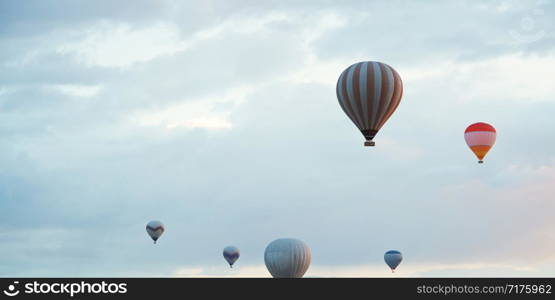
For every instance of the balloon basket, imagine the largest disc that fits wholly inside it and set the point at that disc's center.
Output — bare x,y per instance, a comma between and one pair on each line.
480,161
369,144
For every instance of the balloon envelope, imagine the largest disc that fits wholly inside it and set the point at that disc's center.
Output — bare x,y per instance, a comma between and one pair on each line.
231,254
369,92
480,137
287,258
393,258
155,230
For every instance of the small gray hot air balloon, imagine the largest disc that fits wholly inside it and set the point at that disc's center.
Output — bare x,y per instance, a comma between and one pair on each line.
287,258
231,255
155,230
393,258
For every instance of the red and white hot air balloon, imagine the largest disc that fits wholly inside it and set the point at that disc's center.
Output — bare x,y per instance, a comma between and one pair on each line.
480,137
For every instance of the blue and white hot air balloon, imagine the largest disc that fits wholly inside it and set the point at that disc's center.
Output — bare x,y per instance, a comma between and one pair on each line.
231,255
393,258
287,258
155,230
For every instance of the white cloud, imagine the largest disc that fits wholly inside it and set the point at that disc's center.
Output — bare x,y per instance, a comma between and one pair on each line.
395,149
316,71
218,271
76,90
198,113
516,77
48,239
516,206
3,91
120,45
242,24
363,270
408,270
188,272
203,122
26,59
542,173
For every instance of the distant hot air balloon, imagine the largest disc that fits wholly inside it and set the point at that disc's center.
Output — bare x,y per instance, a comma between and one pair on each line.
393,258
480,137
231,254
155,230
287,258
369,92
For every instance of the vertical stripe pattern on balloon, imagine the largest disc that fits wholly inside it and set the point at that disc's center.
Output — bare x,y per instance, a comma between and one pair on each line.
369,92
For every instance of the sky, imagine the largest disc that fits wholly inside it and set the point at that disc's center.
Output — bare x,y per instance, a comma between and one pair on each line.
220,119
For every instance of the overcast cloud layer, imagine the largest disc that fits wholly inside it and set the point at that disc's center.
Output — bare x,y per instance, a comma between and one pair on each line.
220,119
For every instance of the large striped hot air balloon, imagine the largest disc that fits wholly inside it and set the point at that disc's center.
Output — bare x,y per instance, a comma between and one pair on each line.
369,92
480,137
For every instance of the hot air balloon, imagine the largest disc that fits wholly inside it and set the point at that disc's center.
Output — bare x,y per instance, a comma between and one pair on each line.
480,137
155,230
287,258
369,92
393,258
231,254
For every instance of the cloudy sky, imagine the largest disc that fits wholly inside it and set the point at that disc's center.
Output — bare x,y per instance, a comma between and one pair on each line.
220,119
